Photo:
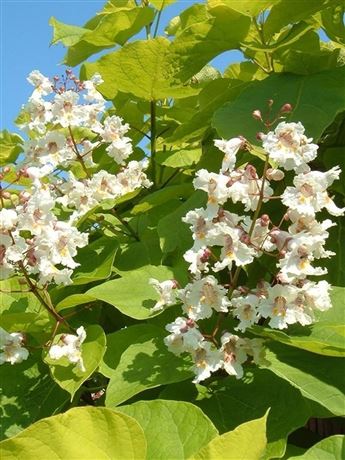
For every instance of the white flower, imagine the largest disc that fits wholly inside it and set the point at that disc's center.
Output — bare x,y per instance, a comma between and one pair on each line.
39,114
289,147
310,297
198,260
230,148
279,306
246,311
184,337
120,149
43,86
233,250
203,296
59,244
71,348
11,346
233,354
113,129
310,193
92,94
8,219
166,291
66,111
49,273
244,186
216,187
200,224
207,359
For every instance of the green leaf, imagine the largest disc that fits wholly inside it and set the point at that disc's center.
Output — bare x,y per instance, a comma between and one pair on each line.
211,97
315,114
160,4
96,261
20,310
137,359
204,35
10,147
244,71
172,231
332,22
325,337
83,432
28,394
286,12
173,429
331,448
244,399
74,300
162,196
179,158
141,68
249,7
66,374
132,294
317,377
102,32
67,34
246,442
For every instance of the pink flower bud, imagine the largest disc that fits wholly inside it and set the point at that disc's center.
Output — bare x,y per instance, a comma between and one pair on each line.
251,171
175,284
256,114
6,169
264,220
286,108
259,136
205,256
245,238
190,322
6,195
1,176
274,174
56,78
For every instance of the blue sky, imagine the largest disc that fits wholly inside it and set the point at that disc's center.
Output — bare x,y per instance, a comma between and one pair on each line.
25,38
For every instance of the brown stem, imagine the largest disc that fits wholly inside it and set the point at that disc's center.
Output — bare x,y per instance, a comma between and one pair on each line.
76,151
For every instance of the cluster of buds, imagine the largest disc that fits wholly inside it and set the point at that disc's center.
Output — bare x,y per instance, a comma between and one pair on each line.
225,241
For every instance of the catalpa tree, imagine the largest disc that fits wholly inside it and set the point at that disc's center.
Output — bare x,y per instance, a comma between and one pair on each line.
171,256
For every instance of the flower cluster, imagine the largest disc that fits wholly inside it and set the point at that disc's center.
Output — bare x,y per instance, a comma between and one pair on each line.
66,121
33,239
227,241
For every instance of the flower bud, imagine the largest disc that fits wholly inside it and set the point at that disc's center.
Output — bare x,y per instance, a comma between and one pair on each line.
205,256
286,108
245,238
6,169
174,284
270,102
251,171
190,322
256,114
264,220
274,174
260,136
1,176
5,195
